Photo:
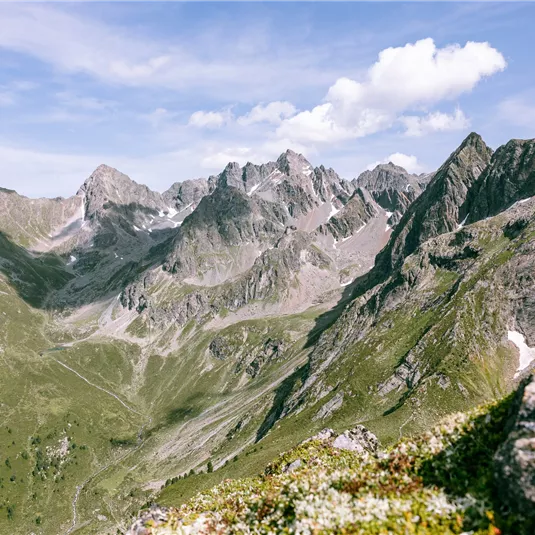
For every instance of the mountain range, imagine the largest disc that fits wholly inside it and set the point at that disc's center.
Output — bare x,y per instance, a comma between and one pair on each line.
208,328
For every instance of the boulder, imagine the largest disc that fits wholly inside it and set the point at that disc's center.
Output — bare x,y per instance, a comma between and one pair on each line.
358,439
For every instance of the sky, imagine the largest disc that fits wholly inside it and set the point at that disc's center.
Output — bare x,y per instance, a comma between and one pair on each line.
170,91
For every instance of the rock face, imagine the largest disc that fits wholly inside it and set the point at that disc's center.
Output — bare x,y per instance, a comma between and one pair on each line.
393,188
187,194
509,178
223,222
515,460
437,210
353,216
107,186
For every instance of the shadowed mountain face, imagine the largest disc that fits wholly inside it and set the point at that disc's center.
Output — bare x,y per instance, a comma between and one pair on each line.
163,330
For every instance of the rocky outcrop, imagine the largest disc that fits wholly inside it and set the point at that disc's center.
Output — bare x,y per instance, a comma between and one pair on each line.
509,178
515,459
226,219
186,194
358,439
352,217
106,187
271,276
437,210
393,188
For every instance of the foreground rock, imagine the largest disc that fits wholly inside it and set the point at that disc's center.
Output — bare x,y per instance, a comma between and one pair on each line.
358,439
515,460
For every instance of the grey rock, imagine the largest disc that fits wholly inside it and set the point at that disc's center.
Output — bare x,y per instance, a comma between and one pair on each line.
356,213
509,178
187,193
438,209
515,459
292,467
219,348
393,188
324,434
358,439
330,407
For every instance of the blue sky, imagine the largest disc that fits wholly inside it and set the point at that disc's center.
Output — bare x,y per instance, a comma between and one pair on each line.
170,91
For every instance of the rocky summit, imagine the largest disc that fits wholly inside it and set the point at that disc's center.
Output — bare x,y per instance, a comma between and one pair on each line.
273,349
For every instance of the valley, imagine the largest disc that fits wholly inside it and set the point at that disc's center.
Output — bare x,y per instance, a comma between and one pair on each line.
202,331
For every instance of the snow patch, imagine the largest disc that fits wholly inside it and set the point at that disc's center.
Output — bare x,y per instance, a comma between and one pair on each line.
161,214
177,224
389,214
527,354
253,189
171,212
137,229
72,260
334,211
388,227
461,224
345,283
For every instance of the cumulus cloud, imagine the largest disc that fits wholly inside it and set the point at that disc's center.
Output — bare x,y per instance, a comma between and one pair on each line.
434,122
409,162
408,78
273,113
210,119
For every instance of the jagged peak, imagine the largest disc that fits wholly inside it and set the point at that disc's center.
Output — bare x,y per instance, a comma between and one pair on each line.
474,141
232,166
390,166
104,168
103,174
471,139
291,162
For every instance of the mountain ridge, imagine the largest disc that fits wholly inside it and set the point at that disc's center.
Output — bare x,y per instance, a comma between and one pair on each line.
234,316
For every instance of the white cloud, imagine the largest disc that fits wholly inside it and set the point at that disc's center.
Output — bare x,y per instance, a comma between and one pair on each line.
273,113
434,122
408,162
130,56
210,119
412,77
